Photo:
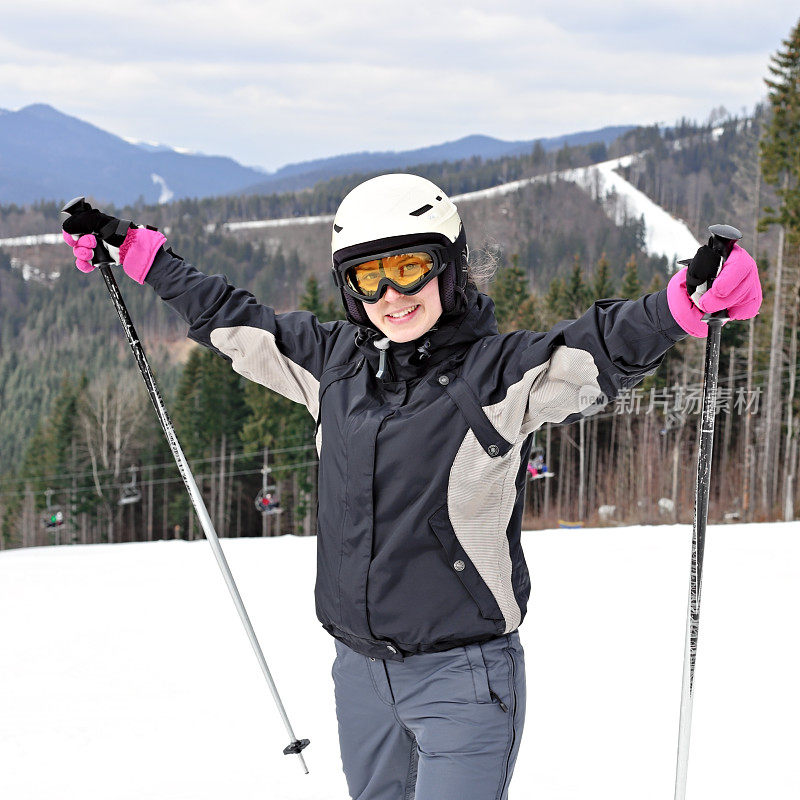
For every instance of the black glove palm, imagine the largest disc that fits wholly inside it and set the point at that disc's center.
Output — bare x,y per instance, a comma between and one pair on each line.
703,267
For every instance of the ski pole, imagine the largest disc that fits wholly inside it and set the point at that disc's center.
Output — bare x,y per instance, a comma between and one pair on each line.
724,237
103,260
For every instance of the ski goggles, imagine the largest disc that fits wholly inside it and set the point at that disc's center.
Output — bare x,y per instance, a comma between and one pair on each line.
405,271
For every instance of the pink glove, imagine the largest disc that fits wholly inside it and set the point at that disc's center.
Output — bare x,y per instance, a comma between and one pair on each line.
135,254
736,288
82,249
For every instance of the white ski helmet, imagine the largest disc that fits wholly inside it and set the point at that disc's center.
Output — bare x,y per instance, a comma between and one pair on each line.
397,211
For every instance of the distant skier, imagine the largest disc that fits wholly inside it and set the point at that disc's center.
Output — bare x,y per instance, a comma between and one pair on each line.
268,503
423,413
55,519
536,466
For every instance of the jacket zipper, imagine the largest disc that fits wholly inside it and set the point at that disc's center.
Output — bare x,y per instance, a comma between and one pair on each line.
372,539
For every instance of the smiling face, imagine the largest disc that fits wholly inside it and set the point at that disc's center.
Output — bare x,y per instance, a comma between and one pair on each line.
406,317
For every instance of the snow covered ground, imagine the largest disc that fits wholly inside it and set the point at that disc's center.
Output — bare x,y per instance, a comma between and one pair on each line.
125,674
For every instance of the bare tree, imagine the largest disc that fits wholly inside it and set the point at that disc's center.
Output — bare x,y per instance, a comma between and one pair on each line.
111,413
791,441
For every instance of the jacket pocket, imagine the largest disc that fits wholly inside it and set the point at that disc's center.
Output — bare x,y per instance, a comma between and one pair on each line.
487,435
459,562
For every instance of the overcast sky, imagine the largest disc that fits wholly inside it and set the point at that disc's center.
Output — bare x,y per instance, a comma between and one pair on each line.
270,83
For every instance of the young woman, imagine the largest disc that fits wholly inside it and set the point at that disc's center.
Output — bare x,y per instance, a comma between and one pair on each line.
424,415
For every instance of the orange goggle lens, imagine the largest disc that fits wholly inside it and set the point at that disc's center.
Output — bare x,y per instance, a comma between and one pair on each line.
406,270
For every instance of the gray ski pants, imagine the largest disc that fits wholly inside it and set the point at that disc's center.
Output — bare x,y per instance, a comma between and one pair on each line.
436,726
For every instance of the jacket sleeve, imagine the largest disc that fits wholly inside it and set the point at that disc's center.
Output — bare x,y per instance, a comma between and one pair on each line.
284,352
587,362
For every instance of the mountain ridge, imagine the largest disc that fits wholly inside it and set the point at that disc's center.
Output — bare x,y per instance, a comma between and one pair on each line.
49,155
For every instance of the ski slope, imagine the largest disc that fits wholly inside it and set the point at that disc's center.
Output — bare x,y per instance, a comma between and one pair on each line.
125,674
664,234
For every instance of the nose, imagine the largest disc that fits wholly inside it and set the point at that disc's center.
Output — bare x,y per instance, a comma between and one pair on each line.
391,294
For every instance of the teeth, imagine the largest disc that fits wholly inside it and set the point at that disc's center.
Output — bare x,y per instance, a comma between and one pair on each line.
403,313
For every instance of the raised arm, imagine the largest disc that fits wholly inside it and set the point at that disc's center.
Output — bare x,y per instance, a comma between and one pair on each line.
581,365
285,352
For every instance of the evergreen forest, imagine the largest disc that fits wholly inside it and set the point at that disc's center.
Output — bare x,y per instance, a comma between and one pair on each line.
84,459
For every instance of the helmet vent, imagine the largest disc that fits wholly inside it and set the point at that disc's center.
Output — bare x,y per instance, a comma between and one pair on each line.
337,228
438,197
421,210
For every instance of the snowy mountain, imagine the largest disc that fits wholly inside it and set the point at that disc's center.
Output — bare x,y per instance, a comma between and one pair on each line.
304,174
157,147
125,672
49,155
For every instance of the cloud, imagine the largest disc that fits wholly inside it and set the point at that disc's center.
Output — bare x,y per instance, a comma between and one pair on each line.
271,82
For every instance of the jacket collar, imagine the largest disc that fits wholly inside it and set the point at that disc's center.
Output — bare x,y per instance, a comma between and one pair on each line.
451,335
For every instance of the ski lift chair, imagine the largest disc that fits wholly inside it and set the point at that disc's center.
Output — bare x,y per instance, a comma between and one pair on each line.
130,492
536,460
53,516
268,502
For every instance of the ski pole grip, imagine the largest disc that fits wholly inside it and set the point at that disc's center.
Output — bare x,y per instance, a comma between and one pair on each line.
723,238
77,206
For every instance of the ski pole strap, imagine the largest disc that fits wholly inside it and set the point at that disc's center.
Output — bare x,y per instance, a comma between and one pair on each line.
115,231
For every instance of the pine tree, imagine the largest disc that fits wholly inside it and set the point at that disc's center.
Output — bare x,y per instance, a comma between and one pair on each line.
631,285
656,283
576,295
510,292
210,411
554,301
187,413
50,451
529,315
312,301
50,458
564,158
277,422
210,403
602,285
538,154
780,146
780,165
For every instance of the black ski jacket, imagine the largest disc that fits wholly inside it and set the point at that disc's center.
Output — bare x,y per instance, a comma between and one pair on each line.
421,474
